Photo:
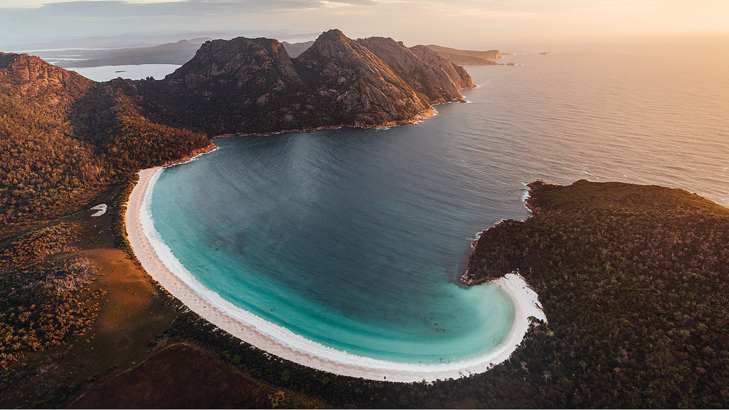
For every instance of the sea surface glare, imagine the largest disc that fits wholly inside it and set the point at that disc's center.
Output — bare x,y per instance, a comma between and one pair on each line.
355,239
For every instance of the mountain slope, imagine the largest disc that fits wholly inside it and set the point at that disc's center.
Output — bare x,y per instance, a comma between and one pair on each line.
41,164
241,85
424,78
64,137
253,86
355,86
458,74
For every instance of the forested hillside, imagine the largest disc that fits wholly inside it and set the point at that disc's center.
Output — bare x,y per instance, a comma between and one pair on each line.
634,281
64,137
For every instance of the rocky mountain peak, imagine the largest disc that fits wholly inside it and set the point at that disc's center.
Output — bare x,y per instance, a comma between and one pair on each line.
335,35
356,82
240,62
333,46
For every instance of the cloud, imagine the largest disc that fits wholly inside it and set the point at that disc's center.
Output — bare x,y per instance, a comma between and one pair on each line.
109,17
122,9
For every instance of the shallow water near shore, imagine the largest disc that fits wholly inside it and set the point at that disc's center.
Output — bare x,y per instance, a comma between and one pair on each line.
355,239
335,241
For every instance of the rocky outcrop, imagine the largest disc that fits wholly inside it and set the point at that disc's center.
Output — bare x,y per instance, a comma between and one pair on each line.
240,85
356,87
240,63
32,77
423,77
457,73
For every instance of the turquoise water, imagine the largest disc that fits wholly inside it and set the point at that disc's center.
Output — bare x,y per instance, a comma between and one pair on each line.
342,240
356,238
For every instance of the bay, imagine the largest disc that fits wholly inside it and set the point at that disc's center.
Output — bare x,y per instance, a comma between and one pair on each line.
356,238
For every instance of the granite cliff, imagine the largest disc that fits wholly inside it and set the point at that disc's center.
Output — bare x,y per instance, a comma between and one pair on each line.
457,73
355,87
253,86
425,75
32,77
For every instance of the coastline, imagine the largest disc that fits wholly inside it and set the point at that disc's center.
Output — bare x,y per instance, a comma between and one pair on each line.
420,117
279,341
414,120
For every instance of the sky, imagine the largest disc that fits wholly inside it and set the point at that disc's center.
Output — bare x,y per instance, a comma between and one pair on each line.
479,24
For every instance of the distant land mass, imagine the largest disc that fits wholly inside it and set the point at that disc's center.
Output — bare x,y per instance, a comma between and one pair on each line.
173,53
143,39
296,49
467,57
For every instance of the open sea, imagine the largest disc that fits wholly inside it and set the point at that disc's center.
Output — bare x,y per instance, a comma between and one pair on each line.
355,239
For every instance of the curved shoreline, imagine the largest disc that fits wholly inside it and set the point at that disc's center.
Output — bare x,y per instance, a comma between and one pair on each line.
158,261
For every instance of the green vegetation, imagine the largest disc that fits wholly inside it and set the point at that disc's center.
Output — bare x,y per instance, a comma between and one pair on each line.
633,280
44,171
64,139
42,298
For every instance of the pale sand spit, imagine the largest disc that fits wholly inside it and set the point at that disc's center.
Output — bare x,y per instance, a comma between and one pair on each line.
100,210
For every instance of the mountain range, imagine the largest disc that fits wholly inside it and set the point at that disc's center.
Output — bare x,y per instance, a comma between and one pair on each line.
253,86
63,134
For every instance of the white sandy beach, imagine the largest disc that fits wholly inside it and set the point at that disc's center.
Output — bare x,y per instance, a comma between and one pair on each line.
279,341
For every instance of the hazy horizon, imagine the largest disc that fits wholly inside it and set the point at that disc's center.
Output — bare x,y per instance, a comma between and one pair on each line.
465,24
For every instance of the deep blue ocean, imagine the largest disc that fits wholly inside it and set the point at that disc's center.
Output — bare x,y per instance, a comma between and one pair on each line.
356,238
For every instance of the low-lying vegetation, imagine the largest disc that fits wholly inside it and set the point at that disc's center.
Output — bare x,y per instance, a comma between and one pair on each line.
43,302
